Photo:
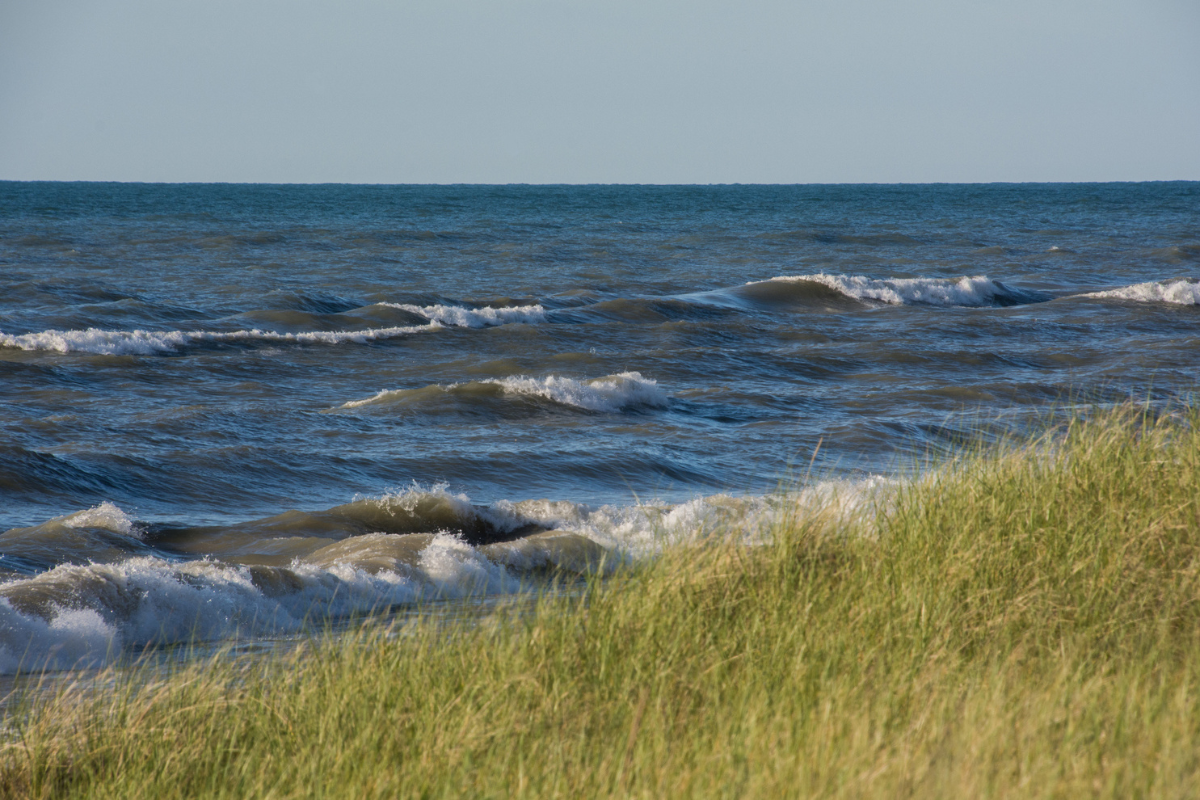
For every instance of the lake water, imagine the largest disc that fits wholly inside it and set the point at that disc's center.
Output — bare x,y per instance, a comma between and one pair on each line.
228,409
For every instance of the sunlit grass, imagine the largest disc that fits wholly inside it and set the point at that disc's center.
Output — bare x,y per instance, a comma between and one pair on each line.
1021,622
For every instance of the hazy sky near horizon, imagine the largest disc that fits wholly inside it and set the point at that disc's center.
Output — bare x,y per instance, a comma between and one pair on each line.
560,91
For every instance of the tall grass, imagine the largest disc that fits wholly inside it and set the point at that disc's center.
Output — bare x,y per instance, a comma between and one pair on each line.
1021,622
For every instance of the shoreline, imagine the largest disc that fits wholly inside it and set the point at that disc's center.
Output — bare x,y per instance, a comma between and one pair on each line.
1025,621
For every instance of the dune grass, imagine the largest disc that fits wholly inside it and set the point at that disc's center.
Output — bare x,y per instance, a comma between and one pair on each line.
1022,622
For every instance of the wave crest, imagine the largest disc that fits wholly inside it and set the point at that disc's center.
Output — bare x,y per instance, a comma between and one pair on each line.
372,554
624,391
81,616
1183,292
141,342
144,342
969,292
484,317
107,516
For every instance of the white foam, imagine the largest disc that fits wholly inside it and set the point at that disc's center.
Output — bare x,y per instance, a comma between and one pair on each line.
417,494
142,600
486,317
375,398
641,531
1178,292
609,394
141,342
107,516
117,606
973,292
456,569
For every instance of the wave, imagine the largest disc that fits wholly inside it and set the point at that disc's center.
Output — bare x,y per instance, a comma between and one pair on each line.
103,533
144,342
1179,253
483,317
86,614
611,394
830,237
141,342
83,615
969,292
692,306
107,516
1183,292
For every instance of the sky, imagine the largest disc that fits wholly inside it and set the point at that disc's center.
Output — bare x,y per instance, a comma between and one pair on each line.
619,91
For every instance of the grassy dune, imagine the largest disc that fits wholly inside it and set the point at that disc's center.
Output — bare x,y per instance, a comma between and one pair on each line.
1025,623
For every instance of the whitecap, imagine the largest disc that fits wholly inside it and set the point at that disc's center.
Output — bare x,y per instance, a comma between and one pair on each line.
107,516
612,393
113,607
142,342
1178,292
485,317
636,532
86,615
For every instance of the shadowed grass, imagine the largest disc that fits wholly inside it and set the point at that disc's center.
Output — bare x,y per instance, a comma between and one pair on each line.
1022,622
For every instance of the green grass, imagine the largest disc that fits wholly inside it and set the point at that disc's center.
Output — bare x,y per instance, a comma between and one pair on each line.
1023,622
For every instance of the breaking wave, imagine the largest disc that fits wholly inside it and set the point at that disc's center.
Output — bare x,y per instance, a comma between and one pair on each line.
1178,292
106,516
485,317
370,555
84,615
613,393
970,292
140,342
144,342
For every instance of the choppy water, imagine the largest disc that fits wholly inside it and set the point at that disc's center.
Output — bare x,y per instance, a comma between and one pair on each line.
229,408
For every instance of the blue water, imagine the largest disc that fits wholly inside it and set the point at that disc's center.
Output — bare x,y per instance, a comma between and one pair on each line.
179,364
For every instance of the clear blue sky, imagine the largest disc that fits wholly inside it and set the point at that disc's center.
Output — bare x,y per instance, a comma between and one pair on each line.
550,91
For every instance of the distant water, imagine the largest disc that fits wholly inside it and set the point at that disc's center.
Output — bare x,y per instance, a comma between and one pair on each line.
224,409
